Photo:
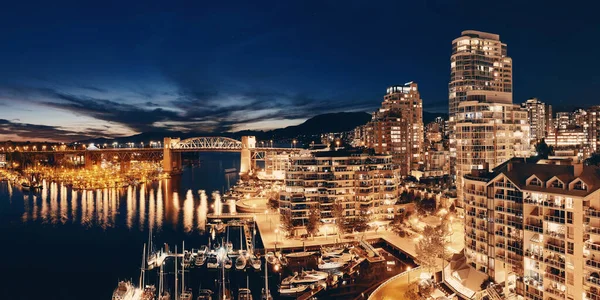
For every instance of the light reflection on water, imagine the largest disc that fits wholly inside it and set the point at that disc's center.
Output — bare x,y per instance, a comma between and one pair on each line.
137,208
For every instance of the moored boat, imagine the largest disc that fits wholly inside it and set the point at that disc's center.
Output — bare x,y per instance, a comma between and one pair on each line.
204,294
292,290
124,291
244,294
240,262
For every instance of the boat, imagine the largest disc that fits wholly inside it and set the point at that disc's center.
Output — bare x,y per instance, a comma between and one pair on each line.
204,294
240,262
302,254
307,277
165,296
229,247
327,265
200,259
288,280
124,291
244,294
187,295
187,259
203,249
270,257
331,252
227,262
148,293
283,260
255,262
265,296
292,290
344,258
212,262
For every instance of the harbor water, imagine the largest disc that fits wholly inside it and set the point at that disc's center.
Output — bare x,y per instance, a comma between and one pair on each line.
59,243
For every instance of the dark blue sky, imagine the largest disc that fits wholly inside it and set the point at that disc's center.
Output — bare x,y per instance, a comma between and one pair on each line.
88,68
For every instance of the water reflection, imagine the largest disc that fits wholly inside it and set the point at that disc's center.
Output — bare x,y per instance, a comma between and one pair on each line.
153,206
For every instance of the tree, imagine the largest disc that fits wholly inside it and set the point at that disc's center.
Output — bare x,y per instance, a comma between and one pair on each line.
286,221
543,150
398,225
411,292
273,200
314,218
430,246
338,215
593,160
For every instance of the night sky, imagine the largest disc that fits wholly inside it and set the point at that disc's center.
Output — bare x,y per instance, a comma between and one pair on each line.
71,70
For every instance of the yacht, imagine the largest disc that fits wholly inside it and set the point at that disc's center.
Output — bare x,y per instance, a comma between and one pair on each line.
165,296
307,277
270,257
149,293
300,254
240,262
212,262
229,246
203,249
204,294
292,290
329,264
227,263
187,259
332,252
255,262
200,259
124,291
244,294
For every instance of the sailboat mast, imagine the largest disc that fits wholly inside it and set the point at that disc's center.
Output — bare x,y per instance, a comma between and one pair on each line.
183,268
142,274
176,272
266,279
160,282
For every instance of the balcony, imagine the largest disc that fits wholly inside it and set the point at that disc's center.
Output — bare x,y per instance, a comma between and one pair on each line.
593,264
593,213
534,228
555,278
555,292
539,256
555,219
555,261
593,280
593,246
554,234
558,248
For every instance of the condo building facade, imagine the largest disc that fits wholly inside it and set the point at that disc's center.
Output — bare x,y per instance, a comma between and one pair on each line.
534,226
479,62
397,127
537,116
365,185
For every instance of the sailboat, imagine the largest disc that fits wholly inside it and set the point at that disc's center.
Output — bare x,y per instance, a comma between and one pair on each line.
266,294
162,295
124,291
185,294
204,294
302,254
240,262
225,292
245,293
149,291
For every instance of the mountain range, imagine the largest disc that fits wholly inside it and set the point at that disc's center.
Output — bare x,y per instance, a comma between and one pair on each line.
324,123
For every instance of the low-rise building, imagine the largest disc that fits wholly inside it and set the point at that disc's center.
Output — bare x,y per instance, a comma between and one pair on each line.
365,185
534,226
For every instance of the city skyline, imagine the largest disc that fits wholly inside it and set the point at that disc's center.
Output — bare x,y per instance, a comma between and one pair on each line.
74,72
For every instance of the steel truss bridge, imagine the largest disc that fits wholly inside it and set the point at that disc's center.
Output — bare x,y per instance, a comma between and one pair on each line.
171,150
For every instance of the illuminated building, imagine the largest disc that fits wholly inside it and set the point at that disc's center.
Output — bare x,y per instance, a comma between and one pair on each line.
537,117
363,184
533,226
479,62
488,132
397,127
593,122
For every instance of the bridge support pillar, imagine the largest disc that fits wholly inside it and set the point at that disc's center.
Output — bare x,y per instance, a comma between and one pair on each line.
248,143
87,159
171,159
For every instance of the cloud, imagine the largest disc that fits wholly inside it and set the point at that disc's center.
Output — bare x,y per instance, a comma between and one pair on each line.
34,132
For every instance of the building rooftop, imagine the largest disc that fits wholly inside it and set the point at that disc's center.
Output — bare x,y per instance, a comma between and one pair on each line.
519,170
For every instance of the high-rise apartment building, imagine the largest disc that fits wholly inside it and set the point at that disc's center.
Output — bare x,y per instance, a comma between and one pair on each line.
487,134
397,127
480,71
534,226
593,128
363,184
537,116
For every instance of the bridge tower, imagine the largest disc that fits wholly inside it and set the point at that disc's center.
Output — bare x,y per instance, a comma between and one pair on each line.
248,143
171,159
